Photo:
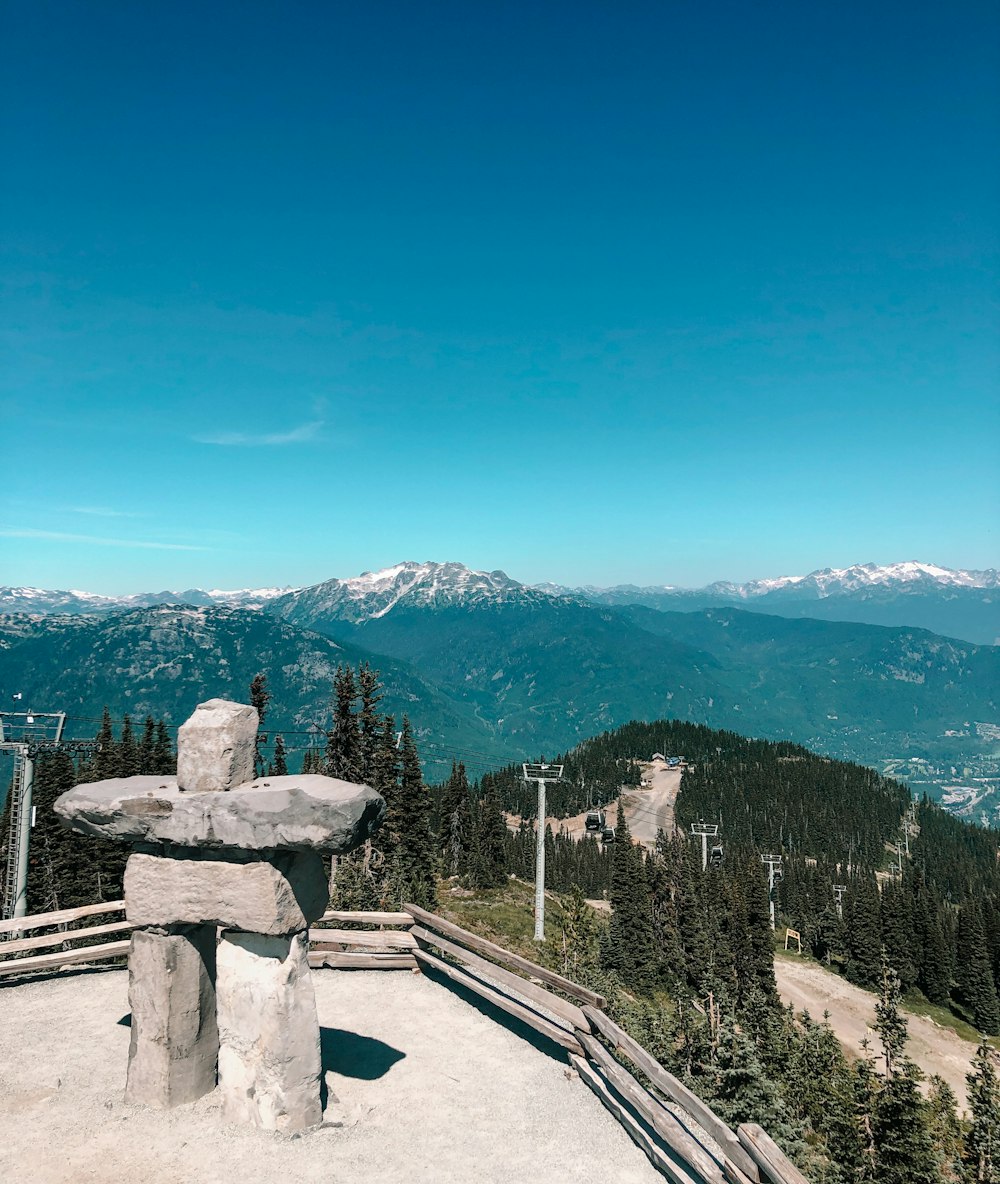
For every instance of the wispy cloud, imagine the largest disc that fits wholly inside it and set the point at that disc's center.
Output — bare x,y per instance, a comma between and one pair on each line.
300,435
59,536
99,512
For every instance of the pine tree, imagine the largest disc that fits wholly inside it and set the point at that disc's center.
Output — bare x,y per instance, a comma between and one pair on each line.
982,1144
164,758
128,750
692,924
66,869
343,746
368,721
579,933
889,1021
147,746
629,946
897,932
904,1153
820,1084
863,928
975,974
740,1088
260,696
279,765
105,763
945,1129
414,856
453,834
488,863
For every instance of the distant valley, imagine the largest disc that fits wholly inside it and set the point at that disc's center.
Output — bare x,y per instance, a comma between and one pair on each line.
492,670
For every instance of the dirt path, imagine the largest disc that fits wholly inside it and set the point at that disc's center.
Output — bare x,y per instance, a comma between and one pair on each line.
652,809
809,987
647,810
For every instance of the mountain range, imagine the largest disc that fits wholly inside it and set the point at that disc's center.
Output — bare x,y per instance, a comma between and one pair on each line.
954,603
491,670
962,604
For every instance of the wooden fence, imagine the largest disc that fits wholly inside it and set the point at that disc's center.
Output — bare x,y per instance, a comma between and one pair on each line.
676,1130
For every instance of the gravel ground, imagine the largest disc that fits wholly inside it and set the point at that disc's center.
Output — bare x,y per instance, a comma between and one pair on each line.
426,1089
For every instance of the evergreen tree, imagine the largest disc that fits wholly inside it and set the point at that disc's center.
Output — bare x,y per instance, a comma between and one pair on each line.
982,1144
453,831
693,926
164,758
579,929
413,858
105,763
343,746
368,721
279,765
897,932
260,696
975,974
629,947
889,1021
903,1151
820,1085
147,746
863,931
67,869
488,864
945,1129
128,750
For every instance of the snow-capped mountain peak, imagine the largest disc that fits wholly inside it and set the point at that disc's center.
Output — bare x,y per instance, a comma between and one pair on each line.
373,594
902,577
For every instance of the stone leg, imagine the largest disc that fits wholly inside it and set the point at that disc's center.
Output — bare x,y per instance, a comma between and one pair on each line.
174,1048
269,1054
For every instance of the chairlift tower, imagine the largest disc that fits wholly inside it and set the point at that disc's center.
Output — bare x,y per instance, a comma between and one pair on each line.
542,774
838,893
909,825
707,830
24,734
774,875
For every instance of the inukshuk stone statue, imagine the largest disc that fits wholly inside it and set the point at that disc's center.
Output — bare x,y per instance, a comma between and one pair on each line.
216,849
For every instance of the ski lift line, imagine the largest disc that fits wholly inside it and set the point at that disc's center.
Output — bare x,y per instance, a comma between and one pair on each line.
320,729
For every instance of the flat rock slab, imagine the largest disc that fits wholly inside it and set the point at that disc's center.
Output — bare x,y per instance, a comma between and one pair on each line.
304,813
282,894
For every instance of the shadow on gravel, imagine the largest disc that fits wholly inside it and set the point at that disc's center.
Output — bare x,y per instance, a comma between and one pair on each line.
511,1023
352,1055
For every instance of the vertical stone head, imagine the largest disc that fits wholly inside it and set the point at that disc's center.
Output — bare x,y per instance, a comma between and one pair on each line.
215,747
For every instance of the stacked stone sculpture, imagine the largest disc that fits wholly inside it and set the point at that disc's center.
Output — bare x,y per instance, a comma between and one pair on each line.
224,881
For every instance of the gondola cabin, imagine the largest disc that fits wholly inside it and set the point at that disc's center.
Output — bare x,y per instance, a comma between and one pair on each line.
717,856
608,834
595,820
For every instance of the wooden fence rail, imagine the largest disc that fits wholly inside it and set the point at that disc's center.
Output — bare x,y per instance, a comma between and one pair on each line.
10,949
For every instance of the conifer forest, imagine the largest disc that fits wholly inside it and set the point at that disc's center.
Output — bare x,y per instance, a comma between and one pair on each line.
684,955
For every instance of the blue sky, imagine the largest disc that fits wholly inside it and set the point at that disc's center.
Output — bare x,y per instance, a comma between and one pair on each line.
589,292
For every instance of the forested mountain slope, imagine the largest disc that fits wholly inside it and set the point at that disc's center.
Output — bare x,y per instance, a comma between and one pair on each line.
165,660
